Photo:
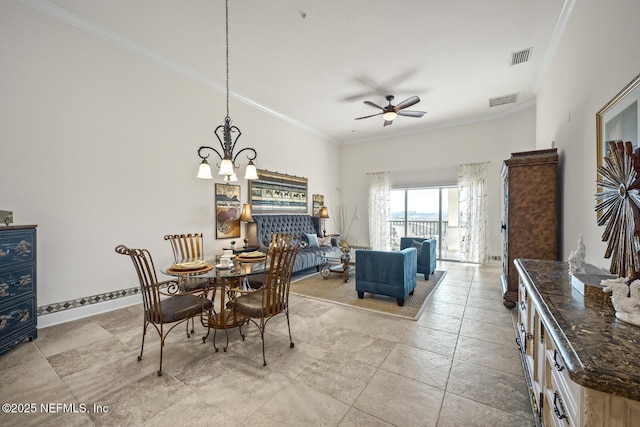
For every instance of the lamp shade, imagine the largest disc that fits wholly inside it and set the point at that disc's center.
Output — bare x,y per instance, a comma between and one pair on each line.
204,171
251,172
324,212
245,216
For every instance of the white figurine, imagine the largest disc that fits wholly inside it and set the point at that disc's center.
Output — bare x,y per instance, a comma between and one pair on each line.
625,299
577,257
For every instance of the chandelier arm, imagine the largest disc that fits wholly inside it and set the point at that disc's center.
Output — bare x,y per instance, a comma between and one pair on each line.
205,147
226,147
245,149
231,142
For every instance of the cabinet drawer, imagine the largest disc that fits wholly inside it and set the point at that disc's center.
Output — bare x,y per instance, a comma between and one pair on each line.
563,396
17,282
17,247
17,323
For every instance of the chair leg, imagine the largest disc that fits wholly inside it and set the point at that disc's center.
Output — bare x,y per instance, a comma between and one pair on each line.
144,334
289,327
264,359
161,349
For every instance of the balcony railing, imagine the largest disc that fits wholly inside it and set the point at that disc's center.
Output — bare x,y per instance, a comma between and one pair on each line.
418,228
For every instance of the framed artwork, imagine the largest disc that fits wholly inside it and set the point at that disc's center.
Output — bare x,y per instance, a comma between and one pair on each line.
275,192
318,202
228,209
618,120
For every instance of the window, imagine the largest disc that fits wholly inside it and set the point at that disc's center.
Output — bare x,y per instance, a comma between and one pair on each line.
426,213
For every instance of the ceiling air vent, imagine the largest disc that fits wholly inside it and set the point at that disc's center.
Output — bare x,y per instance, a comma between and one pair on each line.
521,56
501,100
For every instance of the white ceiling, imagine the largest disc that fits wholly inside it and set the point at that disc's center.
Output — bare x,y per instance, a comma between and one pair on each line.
313,62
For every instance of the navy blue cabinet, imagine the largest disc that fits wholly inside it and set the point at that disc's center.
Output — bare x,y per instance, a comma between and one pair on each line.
18,302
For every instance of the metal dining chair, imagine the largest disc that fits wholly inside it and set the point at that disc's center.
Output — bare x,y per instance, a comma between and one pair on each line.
163,302
261,305
188,247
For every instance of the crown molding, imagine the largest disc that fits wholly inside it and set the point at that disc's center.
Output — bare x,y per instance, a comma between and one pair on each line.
64,15
451,123
554,42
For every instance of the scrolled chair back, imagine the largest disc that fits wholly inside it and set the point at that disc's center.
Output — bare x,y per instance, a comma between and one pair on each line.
277,280
186,247
149,287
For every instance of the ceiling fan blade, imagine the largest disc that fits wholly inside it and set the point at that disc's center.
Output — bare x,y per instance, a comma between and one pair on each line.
366,117
410,113
373,105
408,103
387,123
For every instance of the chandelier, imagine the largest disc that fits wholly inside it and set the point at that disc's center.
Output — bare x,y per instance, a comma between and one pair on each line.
225,134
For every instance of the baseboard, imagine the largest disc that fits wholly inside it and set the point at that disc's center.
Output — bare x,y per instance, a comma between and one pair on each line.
46,320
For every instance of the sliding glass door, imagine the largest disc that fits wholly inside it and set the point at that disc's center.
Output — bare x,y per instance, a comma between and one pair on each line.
426,213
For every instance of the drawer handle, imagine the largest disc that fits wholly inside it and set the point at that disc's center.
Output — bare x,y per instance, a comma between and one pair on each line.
523,306
555,361
522,329
518,343
556,400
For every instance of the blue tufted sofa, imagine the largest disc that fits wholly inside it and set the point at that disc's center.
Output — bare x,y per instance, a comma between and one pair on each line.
387,273
298,225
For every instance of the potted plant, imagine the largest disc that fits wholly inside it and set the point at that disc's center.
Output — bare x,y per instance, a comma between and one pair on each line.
233,245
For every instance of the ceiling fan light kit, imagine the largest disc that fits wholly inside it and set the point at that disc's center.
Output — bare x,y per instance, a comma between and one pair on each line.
391,112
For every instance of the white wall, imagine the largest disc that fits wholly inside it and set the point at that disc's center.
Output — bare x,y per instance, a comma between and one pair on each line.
98,147
598,55
491,141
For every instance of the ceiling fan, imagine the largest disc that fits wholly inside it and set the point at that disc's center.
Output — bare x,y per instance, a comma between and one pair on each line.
390,112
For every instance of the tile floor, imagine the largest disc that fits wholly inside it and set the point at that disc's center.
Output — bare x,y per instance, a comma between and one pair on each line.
458,365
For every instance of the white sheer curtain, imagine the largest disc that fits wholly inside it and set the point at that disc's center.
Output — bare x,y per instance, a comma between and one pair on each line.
472,178
379,187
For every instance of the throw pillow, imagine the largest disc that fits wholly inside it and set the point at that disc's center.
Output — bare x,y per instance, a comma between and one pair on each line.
313,240
324,241
418,245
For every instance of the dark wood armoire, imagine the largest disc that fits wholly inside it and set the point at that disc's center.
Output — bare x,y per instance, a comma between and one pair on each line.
530,214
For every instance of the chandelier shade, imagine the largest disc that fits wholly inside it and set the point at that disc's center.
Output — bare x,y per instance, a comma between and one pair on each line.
204,171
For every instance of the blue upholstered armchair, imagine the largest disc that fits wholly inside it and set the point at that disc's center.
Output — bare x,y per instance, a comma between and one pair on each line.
386,273
426,253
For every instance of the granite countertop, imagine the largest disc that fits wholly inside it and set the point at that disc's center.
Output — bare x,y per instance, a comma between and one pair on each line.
599,351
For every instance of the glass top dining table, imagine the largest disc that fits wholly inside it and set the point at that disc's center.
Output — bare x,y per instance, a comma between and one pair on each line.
221,282
238,269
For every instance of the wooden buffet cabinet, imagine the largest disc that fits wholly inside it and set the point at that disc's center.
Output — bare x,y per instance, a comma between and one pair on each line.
530,214
581,363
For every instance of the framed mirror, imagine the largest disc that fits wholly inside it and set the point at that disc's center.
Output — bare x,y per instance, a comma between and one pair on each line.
618,119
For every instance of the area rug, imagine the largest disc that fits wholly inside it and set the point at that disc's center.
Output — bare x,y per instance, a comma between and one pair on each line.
336,291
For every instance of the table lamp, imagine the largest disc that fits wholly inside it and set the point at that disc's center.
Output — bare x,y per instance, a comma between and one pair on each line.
324,214
245,217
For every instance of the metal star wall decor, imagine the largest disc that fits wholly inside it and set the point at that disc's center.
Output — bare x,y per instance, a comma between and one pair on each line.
619,207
